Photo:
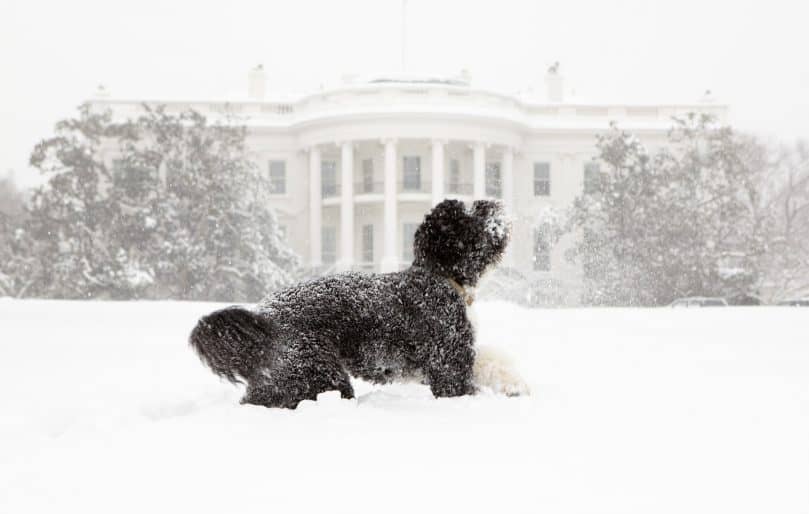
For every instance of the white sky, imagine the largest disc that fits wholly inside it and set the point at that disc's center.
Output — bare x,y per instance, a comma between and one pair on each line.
53,54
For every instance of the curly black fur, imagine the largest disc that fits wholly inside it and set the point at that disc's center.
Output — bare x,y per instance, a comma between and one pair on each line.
309,338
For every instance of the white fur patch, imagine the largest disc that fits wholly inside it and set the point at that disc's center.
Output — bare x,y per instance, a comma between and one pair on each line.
494,370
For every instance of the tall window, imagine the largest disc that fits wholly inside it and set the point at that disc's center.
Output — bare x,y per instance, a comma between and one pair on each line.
592,177
328,170
542,251
542,179
135,177
118,169
454,185
408,238
412,173
367,243
368,176
494,182
278,177
328,248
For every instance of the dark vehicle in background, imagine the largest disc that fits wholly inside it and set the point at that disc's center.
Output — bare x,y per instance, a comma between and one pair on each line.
699,301
798,302
744,299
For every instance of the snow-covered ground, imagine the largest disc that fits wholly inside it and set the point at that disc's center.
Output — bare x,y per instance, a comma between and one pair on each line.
105,409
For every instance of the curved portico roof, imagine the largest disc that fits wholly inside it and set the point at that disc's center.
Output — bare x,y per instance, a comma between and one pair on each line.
410,95
416,79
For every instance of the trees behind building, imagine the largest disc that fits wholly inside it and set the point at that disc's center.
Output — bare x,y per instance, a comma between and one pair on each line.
171,206
785,200
711,213
162,206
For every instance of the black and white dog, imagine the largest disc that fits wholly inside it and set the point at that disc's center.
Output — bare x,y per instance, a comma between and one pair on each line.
311,337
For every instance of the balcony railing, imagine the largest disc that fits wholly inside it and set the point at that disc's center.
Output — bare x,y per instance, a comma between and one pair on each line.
378,188
459,188
365,267
369,188
414,187
494,192
330,190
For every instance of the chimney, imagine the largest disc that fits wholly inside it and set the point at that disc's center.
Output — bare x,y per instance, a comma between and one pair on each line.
554,84
255,83
102,91
708,97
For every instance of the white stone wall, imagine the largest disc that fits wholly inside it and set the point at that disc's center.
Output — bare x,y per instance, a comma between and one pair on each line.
567,155
360,118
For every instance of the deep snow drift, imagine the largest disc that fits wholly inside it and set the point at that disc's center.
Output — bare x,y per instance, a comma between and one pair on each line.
106,409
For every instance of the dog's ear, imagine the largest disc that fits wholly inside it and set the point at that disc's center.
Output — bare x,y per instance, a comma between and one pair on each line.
487,208
440,239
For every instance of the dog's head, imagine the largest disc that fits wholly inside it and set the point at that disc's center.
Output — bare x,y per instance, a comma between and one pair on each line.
461,243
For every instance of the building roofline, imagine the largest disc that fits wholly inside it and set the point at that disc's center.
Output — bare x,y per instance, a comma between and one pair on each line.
460,90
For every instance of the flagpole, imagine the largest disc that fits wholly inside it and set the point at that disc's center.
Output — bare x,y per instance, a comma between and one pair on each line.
404,33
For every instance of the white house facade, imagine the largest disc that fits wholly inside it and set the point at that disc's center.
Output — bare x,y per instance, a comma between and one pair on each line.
355,167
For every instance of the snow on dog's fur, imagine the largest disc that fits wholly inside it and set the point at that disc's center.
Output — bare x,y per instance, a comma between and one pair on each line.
309,338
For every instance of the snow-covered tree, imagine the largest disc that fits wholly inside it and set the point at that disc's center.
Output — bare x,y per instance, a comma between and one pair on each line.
180,213
785,200
676,223
196,212
69,216
15,262
533,286
11,197
19,265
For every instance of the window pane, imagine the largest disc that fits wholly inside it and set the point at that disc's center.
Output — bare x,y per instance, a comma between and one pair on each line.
367,176
367,243
592,177
454,171
408,237
542,178
494,182
118,169
454,184
328,179
542,251
278,177
412,173
329,245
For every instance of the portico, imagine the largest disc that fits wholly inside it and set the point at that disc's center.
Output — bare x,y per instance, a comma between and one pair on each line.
415,174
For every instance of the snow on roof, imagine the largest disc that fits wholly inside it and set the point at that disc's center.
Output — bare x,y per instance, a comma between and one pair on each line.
528,107
410,78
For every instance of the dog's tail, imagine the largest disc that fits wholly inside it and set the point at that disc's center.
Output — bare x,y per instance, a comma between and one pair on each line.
232,342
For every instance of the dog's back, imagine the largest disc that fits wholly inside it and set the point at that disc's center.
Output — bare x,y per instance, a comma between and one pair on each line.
350,308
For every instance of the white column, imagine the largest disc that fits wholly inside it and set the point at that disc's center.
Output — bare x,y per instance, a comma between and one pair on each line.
390,262
478,171
315,208
507,168
438,170
346,206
